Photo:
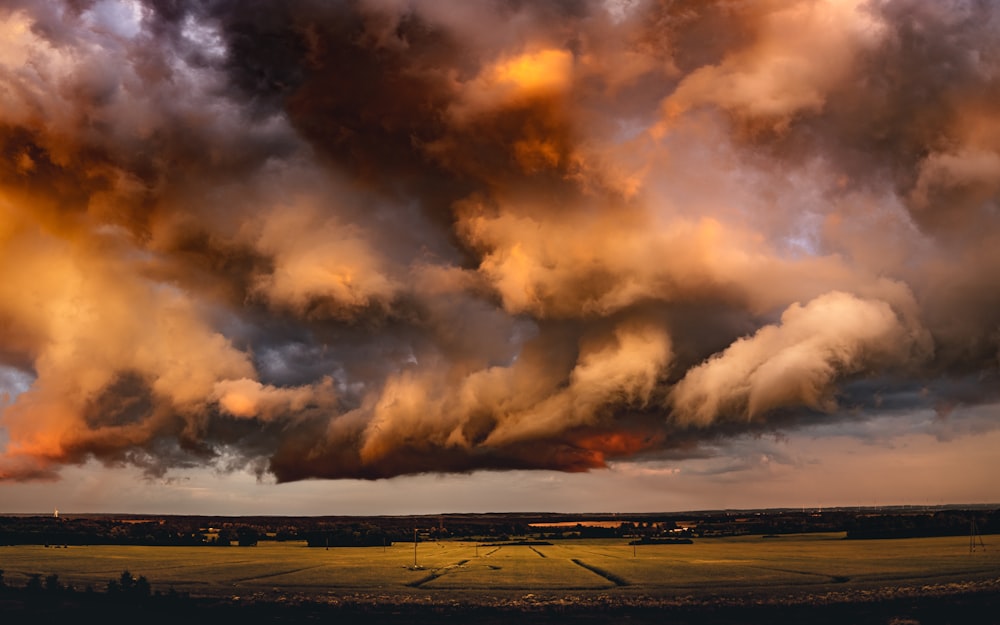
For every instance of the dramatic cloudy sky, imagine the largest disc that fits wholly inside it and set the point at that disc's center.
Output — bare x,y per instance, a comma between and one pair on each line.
390,256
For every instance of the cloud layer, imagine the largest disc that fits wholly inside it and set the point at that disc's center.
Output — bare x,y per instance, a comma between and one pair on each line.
386,237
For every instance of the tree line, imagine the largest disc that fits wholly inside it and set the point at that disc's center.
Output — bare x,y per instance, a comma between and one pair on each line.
384,531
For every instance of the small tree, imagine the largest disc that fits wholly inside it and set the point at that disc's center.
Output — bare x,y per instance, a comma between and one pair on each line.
225,538
126,581
247,537
34,584
141,588
52,584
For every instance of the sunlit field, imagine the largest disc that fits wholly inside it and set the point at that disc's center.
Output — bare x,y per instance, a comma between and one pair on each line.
810,564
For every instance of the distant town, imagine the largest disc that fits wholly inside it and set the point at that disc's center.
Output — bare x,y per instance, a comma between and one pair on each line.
63,530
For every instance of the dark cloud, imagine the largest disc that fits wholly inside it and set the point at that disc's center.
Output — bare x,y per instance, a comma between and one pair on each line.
383,237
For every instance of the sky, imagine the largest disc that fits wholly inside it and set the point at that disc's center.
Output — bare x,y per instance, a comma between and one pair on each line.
413,256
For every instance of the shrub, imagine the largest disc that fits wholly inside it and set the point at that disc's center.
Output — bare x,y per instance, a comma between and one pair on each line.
52,583
34,583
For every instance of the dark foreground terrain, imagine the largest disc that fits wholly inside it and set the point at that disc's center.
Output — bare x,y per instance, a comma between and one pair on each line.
977,607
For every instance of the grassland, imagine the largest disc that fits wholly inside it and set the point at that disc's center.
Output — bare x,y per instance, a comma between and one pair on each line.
809,566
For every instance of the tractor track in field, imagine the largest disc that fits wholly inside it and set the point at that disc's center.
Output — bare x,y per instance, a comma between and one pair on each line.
611,577
836,579
540,554
278,573
436,573
594,553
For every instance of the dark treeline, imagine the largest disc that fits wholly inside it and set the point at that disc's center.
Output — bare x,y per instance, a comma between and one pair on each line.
72,530
125,598
126,588
940,523
354,535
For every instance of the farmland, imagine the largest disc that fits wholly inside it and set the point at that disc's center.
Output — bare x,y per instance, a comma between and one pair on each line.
805,566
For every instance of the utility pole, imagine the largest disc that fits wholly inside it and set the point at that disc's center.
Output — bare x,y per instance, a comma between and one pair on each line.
414,547
974,534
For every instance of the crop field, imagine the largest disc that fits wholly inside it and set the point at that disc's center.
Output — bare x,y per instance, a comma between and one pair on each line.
813,564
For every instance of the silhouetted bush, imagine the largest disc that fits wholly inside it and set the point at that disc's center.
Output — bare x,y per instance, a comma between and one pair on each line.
34,584
247,537
128,587
141,588
52,584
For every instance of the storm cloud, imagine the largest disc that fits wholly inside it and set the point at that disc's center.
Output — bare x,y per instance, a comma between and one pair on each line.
382,237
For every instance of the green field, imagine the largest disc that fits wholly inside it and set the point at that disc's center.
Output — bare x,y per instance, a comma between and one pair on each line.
813,564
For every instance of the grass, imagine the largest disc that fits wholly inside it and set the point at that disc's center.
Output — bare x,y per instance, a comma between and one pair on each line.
808,563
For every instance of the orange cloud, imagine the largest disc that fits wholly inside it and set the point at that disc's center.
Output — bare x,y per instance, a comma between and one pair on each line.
392,237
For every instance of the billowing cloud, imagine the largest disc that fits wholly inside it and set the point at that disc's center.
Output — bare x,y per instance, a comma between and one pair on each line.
797,53
384,237
320,267
797,362
252,400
